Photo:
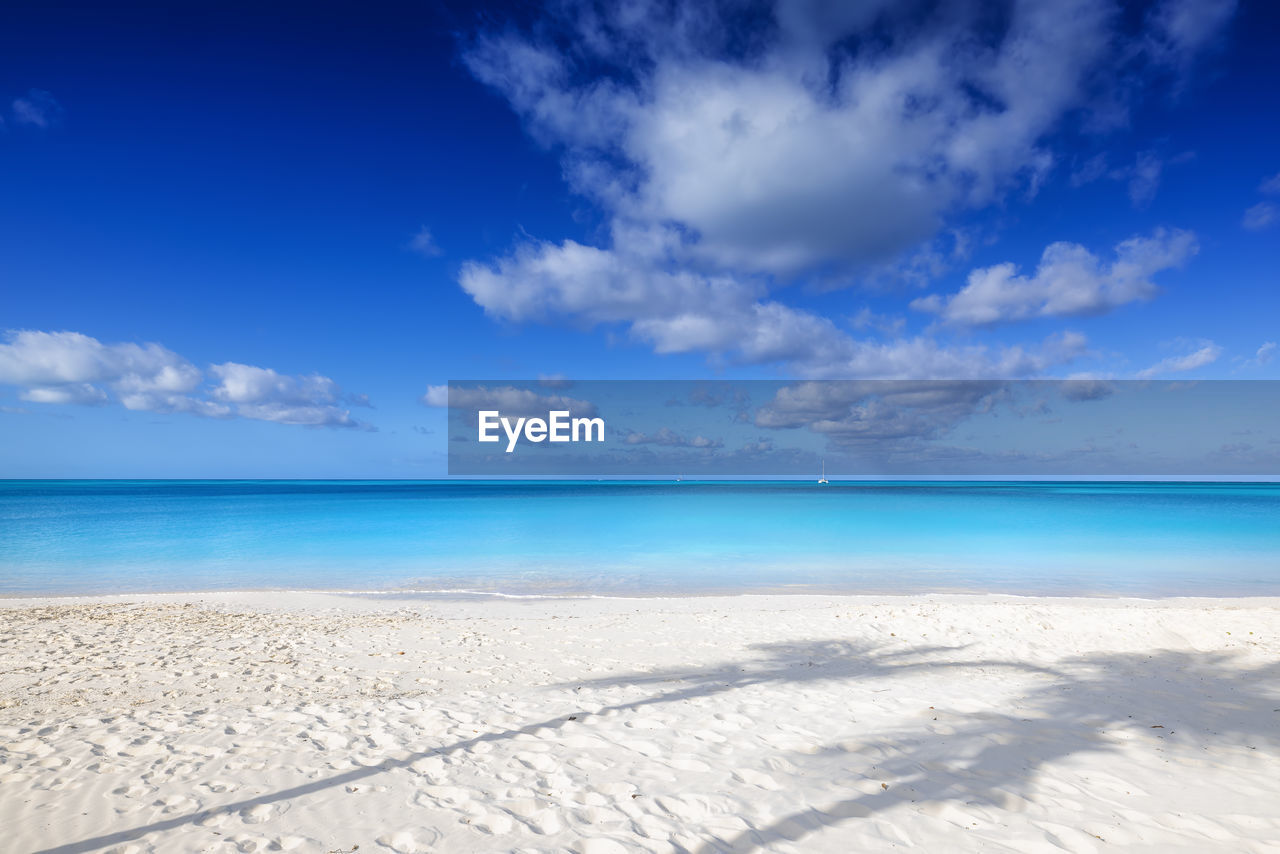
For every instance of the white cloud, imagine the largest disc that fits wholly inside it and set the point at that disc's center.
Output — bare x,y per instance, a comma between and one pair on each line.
722,169
1207,354
68,367
801,157
264,395
1271,185
801,154
667,437
682,311
1069,281
509,400
437,395
85,394
1089,171
1264,355
885,415
1178,30
1260,216
1144,179
1086,388
425,244
883,323
37,109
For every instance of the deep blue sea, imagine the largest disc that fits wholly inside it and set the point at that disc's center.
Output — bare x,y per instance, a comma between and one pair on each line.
1145,539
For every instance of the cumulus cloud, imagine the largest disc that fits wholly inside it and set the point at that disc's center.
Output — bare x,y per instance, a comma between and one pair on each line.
885,415
680,311
1260,216
1069,281
264,395
425,244
833,143
800,155
36,109
1208,353
1086,389
69,367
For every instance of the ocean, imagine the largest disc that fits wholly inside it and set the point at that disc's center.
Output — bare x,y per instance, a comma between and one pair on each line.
640,538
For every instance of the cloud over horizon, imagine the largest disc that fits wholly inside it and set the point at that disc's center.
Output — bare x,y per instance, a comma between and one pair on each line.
73,368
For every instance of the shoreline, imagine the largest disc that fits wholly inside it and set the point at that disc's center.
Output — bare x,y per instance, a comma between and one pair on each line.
246,722
249,595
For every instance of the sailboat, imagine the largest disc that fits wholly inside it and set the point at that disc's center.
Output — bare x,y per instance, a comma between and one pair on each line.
823,479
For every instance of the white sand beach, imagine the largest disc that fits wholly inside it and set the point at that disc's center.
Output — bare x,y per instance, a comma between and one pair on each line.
337,723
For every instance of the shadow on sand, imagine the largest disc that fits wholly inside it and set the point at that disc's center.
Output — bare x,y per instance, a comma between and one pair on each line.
1080,706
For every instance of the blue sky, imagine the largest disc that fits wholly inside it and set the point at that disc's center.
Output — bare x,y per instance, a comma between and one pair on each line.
244,242
974,429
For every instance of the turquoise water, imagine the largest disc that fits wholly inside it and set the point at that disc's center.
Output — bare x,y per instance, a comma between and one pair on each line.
1150,539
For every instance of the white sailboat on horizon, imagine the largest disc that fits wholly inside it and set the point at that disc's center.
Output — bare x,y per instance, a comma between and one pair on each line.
823,479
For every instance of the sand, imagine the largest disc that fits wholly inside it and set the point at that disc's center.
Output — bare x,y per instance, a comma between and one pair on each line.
337,723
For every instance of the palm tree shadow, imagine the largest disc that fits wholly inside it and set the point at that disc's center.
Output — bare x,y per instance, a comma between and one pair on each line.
1205,699
1096,689
784,663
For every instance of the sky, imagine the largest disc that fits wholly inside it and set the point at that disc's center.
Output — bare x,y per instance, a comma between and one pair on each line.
869,429
248,240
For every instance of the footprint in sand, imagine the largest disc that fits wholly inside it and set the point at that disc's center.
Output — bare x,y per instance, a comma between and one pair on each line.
546,822
177,804
597,816
32,747
216,818
598,846
682,809
448,795
326,740
586,763
644,748
537,761
650,827
646,723
557,782
756,778
262,812
134,791
493,823
57,784
291,843
404,842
